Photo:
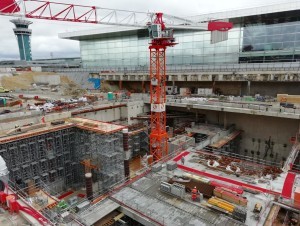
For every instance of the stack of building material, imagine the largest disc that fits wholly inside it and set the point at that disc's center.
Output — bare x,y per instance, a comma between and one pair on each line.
204,91
229,196
178,190
297,197
185,91
165,187
175,189
285,98
157,167
240,214
171,165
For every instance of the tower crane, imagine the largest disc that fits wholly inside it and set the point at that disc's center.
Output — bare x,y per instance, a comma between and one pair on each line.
161,35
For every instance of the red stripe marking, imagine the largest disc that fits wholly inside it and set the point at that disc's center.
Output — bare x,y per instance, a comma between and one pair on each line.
288,185
182,154
65,195
226,180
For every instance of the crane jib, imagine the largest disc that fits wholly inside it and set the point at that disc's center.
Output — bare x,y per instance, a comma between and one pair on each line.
9,6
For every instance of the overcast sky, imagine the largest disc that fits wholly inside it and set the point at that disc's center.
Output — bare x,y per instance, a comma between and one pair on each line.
45,33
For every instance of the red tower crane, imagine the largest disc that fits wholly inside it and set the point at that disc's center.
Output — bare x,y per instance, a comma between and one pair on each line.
161,38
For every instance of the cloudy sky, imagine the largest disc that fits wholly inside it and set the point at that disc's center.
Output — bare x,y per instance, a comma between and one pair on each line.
45,39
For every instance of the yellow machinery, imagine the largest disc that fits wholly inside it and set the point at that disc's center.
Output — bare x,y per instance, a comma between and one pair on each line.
221,204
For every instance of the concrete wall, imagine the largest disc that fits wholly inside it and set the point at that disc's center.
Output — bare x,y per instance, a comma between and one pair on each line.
133,109
19,115
104,115
81,79
261,128
57,116
274,88
7,126
51,79
36,117
236,88
258,127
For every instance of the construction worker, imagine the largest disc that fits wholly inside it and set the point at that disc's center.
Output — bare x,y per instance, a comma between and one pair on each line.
194,193
182,160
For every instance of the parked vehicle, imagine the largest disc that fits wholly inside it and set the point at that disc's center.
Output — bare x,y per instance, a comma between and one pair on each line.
3,90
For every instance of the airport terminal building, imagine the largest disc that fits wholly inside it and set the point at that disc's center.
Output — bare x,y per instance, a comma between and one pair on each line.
260,35
261,54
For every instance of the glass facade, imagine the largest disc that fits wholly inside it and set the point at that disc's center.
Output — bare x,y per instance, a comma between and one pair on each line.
254,39
269,43
193,48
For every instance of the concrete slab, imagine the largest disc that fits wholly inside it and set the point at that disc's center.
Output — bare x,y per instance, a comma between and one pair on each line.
98,211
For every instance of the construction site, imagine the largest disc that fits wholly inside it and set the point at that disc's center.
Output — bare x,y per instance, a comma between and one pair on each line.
187,137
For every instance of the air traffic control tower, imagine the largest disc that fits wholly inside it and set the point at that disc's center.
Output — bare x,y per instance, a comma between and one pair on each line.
23,36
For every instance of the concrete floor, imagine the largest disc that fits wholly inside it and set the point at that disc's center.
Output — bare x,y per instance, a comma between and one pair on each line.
275,185
144,196
7,219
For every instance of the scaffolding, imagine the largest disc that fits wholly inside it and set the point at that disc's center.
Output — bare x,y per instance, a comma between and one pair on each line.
53,158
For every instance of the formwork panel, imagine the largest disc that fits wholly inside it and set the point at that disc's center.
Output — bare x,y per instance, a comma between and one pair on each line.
45,177
33,150
26,172
35,169
42,148
60,160
14,156
25,154
51,163
43,165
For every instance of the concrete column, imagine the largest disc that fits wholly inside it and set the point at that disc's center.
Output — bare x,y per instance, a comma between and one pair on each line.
248,87
286,77
143,87
199,77
126,152
120,84
173,85
89,186
209,77
220,77
225,120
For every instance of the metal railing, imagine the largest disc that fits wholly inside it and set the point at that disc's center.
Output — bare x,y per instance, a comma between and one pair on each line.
278,66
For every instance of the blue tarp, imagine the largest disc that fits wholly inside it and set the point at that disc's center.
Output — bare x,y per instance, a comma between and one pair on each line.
96,81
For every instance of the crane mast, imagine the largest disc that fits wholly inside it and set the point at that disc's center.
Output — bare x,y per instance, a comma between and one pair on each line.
161,38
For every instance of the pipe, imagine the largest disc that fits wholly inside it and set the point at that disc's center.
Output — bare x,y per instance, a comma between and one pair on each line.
147,117
286,207
97,109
